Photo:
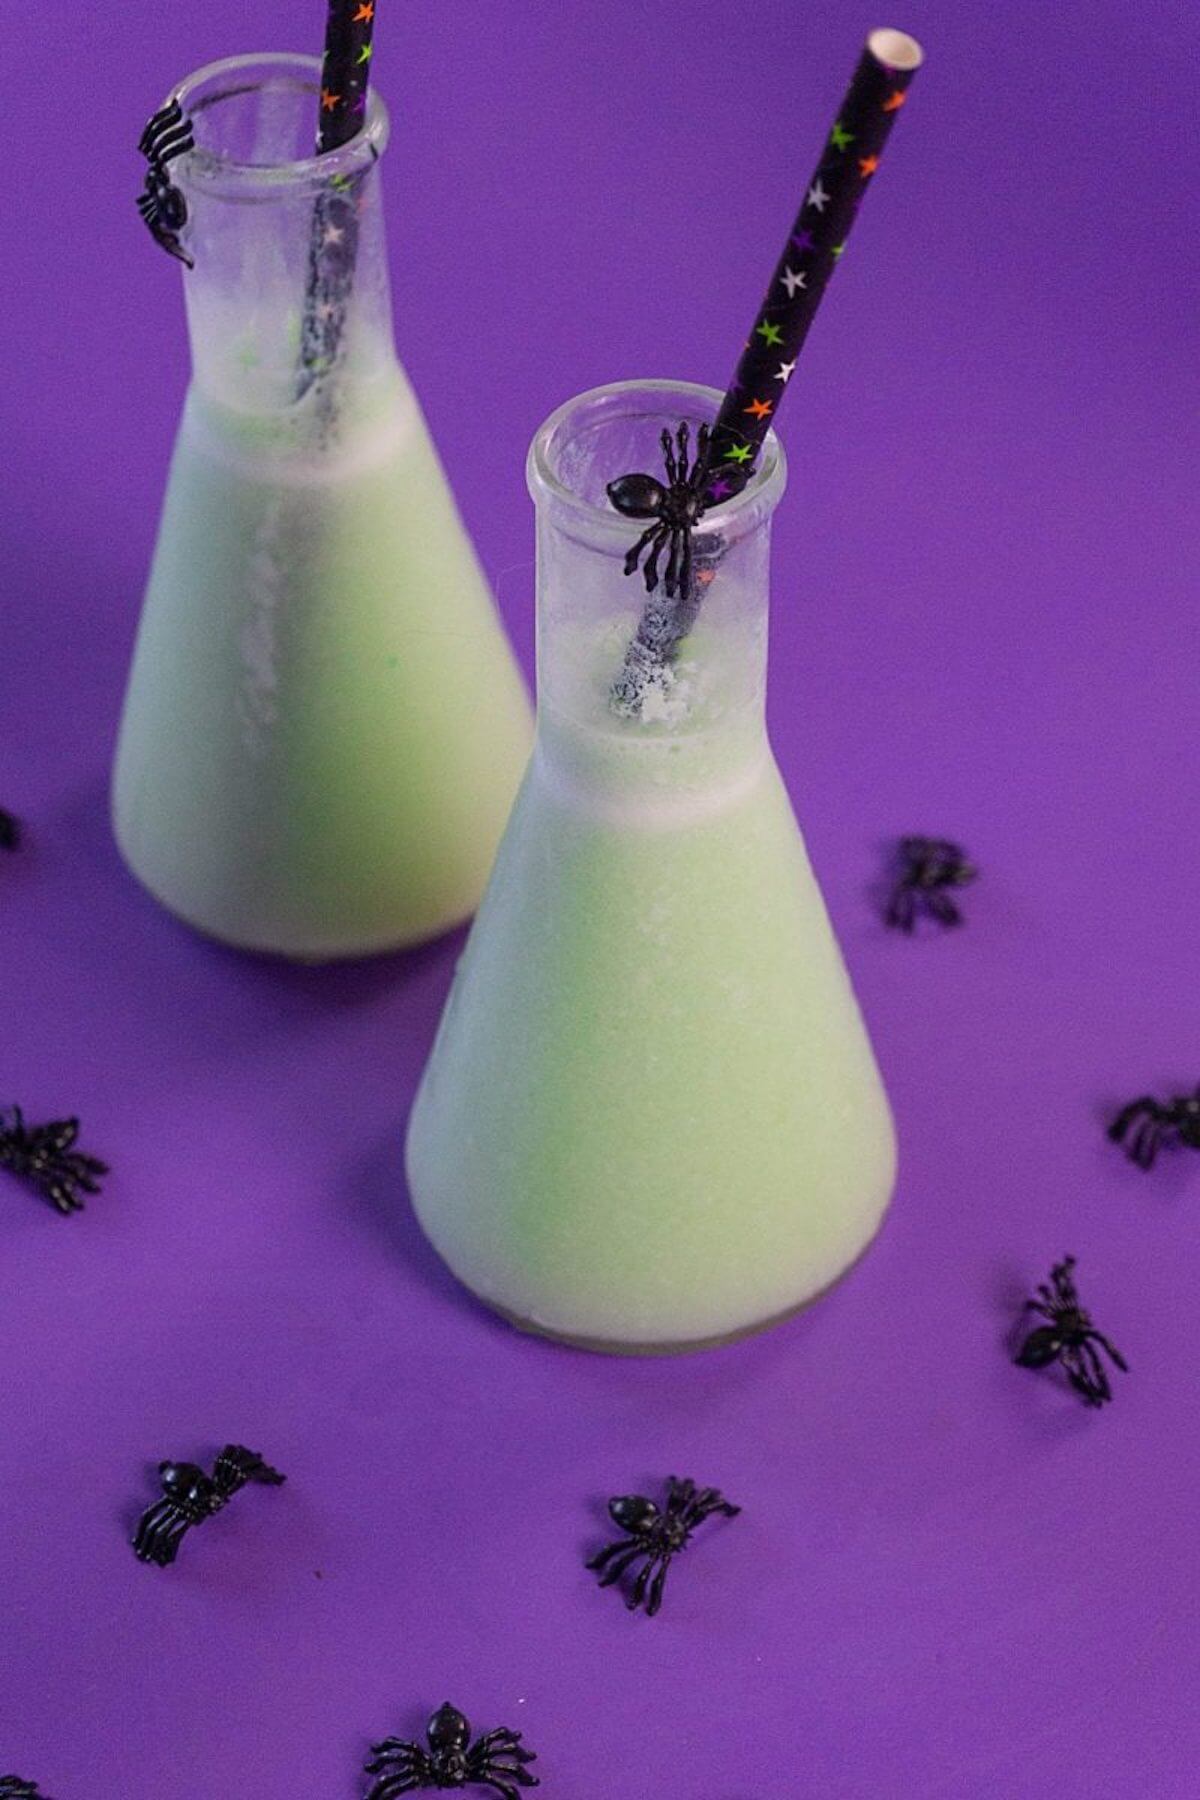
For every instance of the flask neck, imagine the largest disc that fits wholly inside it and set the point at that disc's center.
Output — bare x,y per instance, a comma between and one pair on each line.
287,302
645,678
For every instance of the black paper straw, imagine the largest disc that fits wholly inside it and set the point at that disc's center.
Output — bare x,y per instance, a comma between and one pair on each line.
843,176
345,81
839,185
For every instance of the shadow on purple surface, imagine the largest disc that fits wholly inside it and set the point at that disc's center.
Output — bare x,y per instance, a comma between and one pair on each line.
379,1201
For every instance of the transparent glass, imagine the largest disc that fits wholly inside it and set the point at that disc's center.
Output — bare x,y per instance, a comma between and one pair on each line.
324,727
651,1118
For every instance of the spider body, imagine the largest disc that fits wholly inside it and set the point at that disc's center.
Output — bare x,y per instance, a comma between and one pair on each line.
12,1787
654,1535
1146,1125
10,837
190,1497
1069,1339
497,1760
928,867
161,204
44,1156
673,508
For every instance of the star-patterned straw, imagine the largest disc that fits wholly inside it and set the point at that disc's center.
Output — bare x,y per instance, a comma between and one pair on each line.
813,250
345,80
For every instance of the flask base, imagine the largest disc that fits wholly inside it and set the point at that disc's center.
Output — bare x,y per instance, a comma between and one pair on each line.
683,1347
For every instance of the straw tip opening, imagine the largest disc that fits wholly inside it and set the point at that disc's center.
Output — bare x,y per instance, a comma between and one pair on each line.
895,48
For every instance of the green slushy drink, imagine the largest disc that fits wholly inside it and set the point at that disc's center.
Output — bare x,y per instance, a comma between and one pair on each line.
652,1117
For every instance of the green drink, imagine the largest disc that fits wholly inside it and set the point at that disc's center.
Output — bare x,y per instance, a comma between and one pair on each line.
652,1118
324,726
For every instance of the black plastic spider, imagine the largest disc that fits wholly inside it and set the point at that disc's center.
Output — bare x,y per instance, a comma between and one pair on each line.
42,1156
191,1496
10,837
496,1760
13,1788
162,206
1069,1338
674,508
928,866
653,1536
1150,1124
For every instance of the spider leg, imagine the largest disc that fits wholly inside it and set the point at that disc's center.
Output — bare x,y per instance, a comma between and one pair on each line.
902,907
1097,1373
610,1550
669,457
633,556
1148,1137
683,438
661,534
149,1524
1080,1378
942,907
1111,1350
637,1593
503,1742
388,1786
655,1597
1124,1119
671,580
618,1566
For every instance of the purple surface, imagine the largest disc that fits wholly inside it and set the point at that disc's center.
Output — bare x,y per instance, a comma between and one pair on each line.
949,1580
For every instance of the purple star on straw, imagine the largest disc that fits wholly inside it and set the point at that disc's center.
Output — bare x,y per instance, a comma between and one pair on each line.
803,240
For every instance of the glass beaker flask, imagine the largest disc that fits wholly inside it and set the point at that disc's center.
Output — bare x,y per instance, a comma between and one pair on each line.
652,1118
324,726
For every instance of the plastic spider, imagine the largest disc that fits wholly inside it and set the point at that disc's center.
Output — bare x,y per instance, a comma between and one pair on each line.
13,1788
496,1760
653,1536
1150,1123
674,509
1070,1338
162,206
42,1155
191,1496
929,866
10,837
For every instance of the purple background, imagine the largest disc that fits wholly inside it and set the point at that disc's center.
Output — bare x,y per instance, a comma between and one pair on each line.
950,1579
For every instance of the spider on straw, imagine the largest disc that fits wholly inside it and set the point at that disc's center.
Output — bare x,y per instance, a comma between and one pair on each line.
1069,1339
1145,1126
496,1760
10,831
673,508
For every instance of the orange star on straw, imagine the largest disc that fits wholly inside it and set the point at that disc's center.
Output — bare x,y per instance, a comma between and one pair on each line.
895,100
868,165
365,14
758,408
329,99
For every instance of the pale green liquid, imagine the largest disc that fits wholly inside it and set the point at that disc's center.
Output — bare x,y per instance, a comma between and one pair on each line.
652,1116
324,728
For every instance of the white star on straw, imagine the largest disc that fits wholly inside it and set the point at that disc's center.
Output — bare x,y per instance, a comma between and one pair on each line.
817,197
785,371
793,282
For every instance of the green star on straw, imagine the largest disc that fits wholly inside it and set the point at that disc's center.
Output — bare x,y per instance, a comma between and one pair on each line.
770,334
739,453
839,137
366,53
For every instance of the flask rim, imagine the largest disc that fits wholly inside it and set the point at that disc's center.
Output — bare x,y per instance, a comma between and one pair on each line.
208,168
601,525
